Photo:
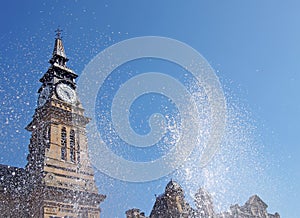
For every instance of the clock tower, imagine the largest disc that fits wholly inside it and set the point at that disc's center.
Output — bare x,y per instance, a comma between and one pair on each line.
61,178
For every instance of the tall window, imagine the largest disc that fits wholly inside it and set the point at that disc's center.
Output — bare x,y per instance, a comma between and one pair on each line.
78,152
72,146
63,143
48,136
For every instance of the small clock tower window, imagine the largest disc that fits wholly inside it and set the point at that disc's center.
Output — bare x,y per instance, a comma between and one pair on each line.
72,146
78,152
63,143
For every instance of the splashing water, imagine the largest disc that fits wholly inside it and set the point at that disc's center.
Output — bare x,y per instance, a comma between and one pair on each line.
237,169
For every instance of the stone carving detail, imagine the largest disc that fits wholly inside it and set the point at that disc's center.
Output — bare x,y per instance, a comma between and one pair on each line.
50,178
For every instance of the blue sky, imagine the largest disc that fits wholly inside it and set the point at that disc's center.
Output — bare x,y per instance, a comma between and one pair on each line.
252,45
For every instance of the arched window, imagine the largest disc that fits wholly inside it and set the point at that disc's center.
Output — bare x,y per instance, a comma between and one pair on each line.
72,146
63,143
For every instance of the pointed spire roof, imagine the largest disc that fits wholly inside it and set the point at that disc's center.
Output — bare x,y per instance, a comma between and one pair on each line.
59,55
255,200
58,66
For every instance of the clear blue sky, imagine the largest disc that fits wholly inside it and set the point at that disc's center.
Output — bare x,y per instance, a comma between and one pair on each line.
253,46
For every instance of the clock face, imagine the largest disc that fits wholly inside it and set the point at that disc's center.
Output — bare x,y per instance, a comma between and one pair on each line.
66,93
44,95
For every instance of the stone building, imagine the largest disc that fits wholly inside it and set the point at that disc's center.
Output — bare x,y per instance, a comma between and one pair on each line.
58,180
172,204
254,207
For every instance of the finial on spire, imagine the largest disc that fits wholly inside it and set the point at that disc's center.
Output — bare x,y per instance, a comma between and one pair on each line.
58,33
59,55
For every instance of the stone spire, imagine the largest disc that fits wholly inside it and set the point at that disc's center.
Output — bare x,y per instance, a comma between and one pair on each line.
171,203
59,56
204,204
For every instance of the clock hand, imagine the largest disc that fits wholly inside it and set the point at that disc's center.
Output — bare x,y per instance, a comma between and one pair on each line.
67,93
